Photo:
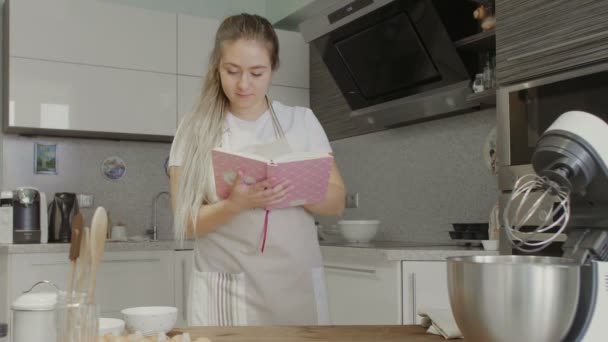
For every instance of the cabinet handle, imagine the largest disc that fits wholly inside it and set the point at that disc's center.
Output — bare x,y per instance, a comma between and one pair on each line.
184,300
413,298
129,260
557,46
351,269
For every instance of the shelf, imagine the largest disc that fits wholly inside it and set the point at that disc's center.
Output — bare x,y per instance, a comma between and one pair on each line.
487,97
479,41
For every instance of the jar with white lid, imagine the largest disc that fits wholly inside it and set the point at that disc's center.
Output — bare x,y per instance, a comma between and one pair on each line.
34,316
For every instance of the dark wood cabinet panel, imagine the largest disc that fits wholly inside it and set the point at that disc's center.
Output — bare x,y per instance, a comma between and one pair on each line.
328,104
539,37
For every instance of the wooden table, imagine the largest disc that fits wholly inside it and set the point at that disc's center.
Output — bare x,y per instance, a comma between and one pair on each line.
376,333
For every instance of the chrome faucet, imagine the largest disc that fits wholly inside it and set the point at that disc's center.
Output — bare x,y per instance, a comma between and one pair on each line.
154,231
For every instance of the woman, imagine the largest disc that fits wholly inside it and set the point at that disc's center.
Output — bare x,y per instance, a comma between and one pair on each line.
233,283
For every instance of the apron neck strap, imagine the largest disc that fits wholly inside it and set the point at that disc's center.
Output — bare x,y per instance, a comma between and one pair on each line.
278,130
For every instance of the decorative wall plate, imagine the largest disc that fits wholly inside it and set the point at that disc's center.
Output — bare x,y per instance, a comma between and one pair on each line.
113,168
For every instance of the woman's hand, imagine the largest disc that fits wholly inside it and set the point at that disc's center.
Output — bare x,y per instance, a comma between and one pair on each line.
258,195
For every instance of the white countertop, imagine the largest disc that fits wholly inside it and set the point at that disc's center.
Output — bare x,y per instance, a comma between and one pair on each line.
111,246
401,251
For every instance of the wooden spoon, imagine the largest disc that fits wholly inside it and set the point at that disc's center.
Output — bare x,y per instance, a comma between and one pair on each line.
99,230
77,225
83,259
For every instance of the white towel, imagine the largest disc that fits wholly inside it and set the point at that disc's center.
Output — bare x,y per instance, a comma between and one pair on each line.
440,322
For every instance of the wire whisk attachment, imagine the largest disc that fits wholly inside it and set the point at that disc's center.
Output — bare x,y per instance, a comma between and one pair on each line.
522,206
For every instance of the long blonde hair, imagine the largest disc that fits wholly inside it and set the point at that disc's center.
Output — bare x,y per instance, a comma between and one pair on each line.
201,130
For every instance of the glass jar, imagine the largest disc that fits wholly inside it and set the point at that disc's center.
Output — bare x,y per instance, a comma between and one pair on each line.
76,320
478,83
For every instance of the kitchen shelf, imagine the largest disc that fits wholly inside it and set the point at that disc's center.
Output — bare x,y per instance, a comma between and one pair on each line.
480,41
486,97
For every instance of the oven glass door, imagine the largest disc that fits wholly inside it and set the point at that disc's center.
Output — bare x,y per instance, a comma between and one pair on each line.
533,110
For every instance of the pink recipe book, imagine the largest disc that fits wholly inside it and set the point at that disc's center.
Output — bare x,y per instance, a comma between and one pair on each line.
308,173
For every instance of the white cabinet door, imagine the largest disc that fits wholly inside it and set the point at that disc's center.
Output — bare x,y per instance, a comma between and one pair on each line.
195,42
182,268
293,57
93,32
65,96
424,286
363,293
138,278
290,96
188,88
125,279
195,39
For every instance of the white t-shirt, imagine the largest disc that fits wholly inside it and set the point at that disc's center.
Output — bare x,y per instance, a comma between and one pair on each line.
302,130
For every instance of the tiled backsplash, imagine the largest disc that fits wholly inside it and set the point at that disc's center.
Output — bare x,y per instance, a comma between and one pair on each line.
418,179
128,200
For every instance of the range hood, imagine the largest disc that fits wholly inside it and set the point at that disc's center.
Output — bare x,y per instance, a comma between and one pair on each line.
392,60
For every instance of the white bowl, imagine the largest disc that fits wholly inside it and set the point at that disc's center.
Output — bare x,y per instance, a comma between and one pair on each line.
490,245
150,320
359,231
112,326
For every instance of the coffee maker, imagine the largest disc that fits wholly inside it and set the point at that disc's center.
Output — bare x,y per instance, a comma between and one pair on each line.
29,216
62,210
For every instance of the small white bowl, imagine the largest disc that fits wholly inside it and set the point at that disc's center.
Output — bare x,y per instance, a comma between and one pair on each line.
359,231
150,320
490,245
112,326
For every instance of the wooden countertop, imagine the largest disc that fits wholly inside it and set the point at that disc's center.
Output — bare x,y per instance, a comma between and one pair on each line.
376,333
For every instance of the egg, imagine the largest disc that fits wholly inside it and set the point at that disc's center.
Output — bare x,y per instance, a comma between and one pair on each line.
202,339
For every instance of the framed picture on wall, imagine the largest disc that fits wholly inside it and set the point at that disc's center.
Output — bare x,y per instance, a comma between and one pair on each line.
45,159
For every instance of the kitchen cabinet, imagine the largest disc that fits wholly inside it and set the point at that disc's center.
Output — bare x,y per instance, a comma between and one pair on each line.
363,292
366,287
424,286
535,38
125,279
66,98
188,88
195,41
290,96
101,33
182,269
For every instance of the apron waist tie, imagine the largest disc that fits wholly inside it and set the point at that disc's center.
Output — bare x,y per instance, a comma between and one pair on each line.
265,230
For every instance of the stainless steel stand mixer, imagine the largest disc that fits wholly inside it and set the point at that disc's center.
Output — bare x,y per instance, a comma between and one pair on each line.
571,165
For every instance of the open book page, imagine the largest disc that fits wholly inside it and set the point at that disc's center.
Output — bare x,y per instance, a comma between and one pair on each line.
293,156
227,164
309,178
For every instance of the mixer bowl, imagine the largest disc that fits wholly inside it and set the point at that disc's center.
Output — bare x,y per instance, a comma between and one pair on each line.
513,298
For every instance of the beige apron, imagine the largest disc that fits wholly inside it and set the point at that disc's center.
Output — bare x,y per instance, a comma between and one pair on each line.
234,283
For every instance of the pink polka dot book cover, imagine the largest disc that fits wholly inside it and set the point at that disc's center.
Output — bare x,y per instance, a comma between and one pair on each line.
308,173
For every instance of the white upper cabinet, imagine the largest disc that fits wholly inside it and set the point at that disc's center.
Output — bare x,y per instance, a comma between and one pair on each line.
290,96
188,88
93,32
293,57
66,96
195,39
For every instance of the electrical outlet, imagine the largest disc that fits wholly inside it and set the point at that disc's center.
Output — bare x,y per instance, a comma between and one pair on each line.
352,200
85,200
